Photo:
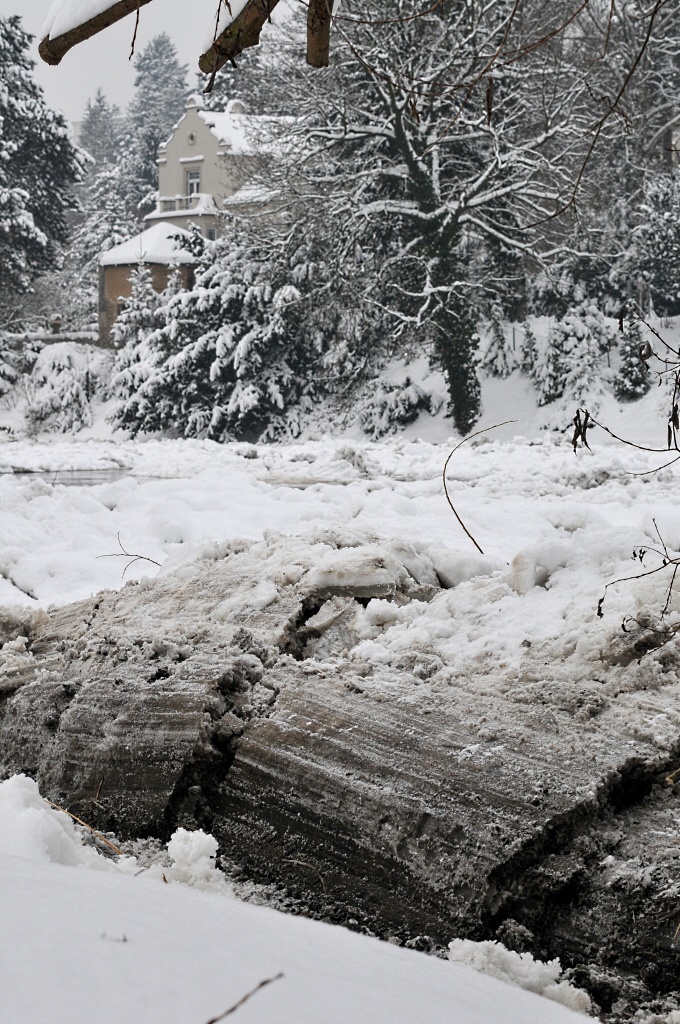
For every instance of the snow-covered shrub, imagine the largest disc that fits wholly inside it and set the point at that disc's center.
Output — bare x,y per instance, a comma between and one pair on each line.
497,360
573,367
395,405
17,357
633,379
63,382
233,357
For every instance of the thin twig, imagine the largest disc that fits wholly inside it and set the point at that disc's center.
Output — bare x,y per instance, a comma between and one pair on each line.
134,35
495,426
245,998
128,554
312,867
94,832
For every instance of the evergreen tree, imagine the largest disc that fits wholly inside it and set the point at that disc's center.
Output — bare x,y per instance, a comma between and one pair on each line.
232,359
157,105
552,375
106,224
573,365
633,378
17,357
100,131
529,359
496,359
64,380
38,167
136,360
656,250
584,384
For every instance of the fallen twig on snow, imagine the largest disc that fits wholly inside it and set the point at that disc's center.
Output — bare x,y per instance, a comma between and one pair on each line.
245,998
128,554
446,464
112,846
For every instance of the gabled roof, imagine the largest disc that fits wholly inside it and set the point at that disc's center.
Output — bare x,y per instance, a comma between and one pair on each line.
158,244
239,133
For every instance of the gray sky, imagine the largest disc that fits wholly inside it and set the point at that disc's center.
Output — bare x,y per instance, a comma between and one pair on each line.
103,61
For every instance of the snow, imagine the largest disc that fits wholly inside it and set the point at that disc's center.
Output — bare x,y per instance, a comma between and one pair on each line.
493,959
157,244
242,134
340,512
65,15
554,527
93,936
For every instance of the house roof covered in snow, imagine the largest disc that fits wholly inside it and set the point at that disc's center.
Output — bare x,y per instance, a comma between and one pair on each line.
158,244
240,133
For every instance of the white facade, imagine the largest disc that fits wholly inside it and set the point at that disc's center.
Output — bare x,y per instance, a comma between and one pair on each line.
205,165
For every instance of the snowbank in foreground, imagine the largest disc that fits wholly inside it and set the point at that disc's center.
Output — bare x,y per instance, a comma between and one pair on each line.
122,948
493,959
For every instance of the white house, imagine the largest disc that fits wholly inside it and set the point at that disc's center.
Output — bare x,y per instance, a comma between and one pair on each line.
205,167
207,164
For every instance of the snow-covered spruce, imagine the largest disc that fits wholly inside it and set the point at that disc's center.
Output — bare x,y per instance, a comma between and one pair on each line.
574,367
62,385
231,359
633,379
497,359
38,166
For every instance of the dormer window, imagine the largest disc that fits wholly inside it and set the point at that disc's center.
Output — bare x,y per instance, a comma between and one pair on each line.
193,183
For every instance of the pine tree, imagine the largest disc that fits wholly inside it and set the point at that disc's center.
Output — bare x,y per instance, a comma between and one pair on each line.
107,222
633,378
584,384
157,105
17,357
496,359
551,377
38,167
573,366
657,243
64,380
100,131
135,362
529,360
233,358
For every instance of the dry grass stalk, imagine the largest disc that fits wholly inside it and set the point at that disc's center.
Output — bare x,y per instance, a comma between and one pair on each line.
119,853
245,998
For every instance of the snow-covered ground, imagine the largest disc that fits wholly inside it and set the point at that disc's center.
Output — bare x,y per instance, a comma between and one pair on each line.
575,518
89,938
554,526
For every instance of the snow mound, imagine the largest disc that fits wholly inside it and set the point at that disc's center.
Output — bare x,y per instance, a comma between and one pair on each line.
30,828
193,859
521,969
